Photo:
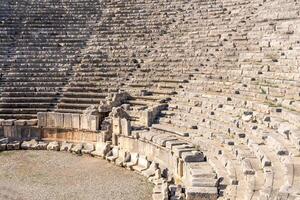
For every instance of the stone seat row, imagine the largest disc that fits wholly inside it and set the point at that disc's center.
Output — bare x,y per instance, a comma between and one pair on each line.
274,119
290,114
207,182
246,168
114,154
281,152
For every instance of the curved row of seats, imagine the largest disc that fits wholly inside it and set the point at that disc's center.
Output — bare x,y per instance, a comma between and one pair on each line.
246,115
198,177
123,37
41,42
244,112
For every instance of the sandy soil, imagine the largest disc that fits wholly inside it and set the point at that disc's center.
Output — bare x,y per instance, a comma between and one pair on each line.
44,175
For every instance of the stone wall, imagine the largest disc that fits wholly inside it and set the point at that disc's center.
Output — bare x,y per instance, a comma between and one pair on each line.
69,121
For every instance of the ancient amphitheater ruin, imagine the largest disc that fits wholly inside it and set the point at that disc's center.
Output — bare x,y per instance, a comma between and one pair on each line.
199,96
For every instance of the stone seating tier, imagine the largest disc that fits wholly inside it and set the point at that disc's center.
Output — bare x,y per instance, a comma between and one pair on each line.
219,76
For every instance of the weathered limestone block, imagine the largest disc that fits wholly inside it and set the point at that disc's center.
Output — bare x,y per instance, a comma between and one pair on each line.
125,127
265,161
28,145
113,154
199,170
116,125
201,193
247,167
101,149
2,147
148,136
53,146
32,122
84,122
42,119
170,144
65,146
131,160
88,148
50,119
151,170
77,148
3,143
204,182
121,158
67,121
193,156
160,191
15,145
156,177
20,122
94,123
59,120
146,118
142,164
8,122
163,140
40,146
76,121
9,131
179,149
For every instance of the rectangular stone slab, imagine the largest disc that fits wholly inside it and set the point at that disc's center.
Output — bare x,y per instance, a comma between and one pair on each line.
192,157
76,121
8,122
93,123
170,144
50,119
199,193
42,119
59,120
67,120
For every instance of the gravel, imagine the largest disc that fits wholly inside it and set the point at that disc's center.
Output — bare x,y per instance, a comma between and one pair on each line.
44,175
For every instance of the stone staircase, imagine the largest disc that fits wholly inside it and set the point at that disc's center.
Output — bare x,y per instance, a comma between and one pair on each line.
44,42
225,71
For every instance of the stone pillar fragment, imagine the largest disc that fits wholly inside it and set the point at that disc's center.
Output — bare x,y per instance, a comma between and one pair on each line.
117,125
146,118
125,127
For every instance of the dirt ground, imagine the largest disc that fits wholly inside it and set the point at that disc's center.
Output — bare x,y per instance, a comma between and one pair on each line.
44,175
